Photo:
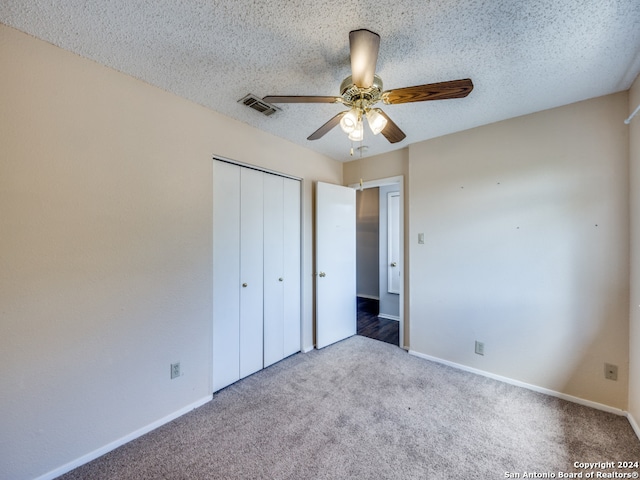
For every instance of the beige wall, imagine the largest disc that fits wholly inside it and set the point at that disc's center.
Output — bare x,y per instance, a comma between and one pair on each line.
106,250
387,165
526,227
634,334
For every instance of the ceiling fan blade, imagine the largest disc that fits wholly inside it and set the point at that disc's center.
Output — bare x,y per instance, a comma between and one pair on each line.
391,131
364,46
300,99
431,91
326,127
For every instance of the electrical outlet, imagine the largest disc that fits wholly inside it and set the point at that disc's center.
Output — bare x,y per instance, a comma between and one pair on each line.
479,348
610,371
175,370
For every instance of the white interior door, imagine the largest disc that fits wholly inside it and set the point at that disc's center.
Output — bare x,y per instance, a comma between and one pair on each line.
251,271
292,261
394,269
336,307
273,269
226,274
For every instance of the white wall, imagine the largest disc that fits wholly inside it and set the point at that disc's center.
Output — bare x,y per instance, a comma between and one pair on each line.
634,334
106,250
526,248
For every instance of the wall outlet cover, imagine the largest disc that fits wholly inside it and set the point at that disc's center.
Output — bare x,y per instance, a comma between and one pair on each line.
610,371
175,370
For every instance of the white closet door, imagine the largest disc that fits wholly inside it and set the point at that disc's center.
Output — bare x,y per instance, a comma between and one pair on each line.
256,271
273,269
226,274
292,267
251,265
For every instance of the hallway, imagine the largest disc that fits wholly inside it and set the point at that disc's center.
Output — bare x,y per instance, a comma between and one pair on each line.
372,326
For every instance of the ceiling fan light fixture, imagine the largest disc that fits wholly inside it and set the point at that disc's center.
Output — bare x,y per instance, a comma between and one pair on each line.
349,121
377,122
361,90
357,135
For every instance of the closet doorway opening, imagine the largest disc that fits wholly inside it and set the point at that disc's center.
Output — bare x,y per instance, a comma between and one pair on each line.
380,259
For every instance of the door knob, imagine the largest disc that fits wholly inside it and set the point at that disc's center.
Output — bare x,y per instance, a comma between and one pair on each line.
281,279
394,264
245,285
322,274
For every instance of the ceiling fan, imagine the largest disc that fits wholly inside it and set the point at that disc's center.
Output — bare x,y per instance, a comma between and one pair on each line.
361,90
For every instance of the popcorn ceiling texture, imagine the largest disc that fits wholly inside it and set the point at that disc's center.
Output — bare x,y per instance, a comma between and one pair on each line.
523,57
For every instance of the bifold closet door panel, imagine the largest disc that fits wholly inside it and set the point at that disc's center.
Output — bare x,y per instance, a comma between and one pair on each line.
256,271
251,271
274,277
292,266
226,274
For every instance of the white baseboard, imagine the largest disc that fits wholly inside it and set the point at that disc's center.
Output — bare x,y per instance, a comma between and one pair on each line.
518,383
121,441
370,297
634,425
389,317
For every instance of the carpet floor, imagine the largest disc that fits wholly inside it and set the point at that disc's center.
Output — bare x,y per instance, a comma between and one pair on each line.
363,409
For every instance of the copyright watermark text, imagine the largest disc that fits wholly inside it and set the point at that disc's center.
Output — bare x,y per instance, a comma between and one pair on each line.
586,470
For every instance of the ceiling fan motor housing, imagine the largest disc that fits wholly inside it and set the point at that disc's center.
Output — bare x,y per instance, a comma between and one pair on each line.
364,98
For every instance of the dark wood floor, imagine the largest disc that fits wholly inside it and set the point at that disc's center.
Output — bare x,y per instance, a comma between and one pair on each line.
372,326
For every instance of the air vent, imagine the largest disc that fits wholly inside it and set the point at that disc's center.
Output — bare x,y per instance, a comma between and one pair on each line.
258,105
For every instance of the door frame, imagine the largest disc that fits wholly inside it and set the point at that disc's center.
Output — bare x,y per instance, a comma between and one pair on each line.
383,182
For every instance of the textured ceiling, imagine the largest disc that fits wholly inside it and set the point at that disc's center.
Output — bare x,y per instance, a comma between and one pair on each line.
523,56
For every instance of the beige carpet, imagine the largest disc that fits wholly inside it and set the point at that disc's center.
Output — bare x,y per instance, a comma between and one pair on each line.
363,409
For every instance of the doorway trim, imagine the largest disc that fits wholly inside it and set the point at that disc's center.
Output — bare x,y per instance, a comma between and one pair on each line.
383,182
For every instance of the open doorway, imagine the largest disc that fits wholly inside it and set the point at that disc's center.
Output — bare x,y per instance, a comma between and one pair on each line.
379,272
